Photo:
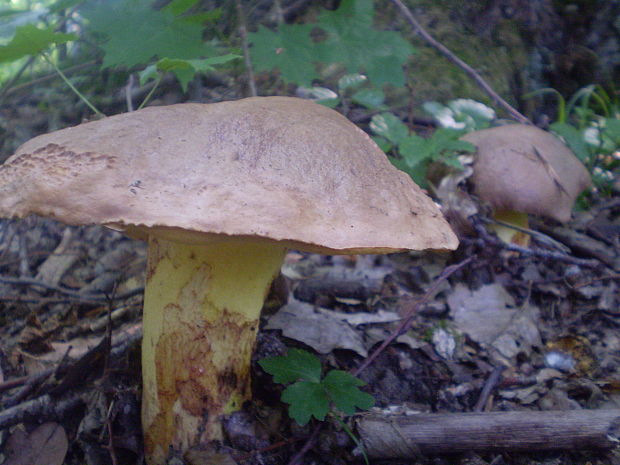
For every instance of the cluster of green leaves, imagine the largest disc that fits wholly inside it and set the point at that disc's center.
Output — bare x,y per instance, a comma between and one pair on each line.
131,34
347,37
311,395
589,122
412,153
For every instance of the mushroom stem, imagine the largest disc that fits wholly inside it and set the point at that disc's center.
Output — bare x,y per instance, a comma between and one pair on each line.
511,235
202,307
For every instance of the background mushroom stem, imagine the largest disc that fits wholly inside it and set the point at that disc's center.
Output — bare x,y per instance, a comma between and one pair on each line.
511,235
201,313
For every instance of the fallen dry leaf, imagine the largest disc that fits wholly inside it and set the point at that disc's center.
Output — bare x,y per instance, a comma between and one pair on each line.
46,445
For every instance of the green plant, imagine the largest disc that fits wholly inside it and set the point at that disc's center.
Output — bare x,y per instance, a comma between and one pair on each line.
311,395
351,88
589,123
412,153
132,34
348,37
466,114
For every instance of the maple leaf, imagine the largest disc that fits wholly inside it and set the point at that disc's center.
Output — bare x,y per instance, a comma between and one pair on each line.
353,41
30,40
289,50
136,33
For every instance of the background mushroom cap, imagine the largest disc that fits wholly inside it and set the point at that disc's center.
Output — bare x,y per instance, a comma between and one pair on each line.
523,168
274,168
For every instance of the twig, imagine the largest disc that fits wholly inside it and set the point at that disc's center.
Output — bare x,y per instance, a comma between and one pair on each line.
410,313
541,237
68,292
131,82
72,87
490,384
14,79
417,27
535,252
38,409
307,446
8,90
243,33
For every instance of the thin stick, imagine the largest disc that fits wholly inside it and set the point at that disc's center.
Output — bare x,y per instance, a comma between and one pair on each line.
472,73
72,87
535,252
68,292
410,313
243,33
152,91
492,381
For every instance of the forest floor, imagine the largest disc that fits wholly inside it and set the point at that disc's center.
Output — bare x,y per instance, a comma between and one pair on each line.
506,331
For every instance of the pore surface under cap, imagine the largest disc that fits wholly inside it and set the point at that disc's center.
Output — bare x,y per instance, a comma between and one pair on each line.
269,167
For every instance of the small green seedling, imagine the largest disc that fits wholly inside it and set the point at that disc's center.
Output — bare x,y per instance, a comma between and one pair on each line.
313,396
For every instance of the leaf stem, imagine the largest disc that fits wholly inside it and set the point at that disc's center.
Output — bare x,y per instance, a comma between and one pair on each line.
71,86
150,94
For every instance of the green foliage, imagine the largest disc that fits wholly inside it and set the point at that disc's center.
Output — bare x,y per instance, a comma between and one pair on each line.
354,87
184,70
313,396
589,123
289,50
30,40
353,41
350,40
415,153
135,33
466,114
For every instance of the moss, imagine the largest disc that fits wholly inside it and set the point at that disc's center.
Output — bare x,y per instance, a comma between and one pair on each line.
499,54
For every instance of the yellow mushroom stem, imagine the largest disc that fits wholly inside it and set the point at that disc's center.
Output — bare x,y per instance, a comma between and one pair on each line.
201,313
511,235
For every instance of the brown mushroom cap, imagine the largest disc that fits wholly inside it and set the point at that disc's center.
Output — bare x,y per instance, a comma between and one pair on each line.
523,168
274,168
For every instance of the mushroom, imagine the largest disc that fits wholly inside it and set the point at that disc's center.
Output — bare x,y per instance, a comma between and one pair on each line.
220,192
521,169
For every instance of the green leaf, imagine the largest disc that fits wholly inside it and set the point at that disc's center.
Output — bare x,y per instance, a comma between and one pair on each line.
415,150
574,139
611,130
306,399
342,388
353,41
349,81
290,50
64,5
178,7
297,364
390,127
30,40
184,70
136,33
383,143
373,99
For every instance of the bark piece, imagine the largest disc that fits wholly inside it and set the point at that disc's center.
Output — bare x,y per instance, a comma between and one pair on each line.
400,436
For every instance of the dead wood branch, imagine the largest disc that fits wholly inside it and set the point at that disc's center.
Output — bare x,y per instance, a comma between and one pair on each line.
407,436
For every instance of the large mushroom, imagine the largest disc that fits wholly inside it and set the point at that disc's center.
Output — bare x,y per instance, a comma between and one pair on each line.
220,191
521,169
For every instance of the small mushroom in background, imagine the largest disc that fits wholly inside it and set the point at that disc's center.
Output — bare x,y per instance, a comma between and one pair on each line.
520,169
220,192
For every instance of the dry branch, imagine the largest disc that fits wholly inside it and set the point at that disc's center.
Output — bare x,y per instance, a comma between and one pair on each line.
408,436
